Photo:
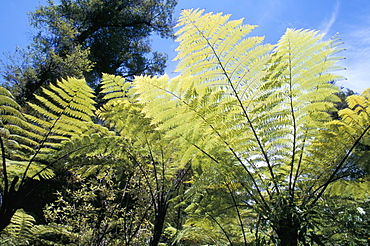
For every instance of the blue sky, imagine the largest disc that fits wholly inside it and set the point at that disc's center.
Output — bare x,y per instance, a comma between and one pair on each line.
349,18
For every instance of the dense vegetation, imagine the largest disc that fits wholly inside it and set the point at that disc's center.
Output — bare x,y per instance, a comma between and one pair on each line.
88,38
241,148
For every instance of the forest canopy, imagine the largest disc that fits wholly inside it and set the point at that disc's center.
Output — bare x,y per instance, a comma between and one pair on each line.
88,38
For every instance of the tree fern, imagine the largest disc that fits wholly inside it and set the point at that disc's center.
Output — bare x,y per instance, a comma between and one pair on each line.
348,139
17,141
20,228
263,107
145,149
63,111
16,133
252,120
36,170
86,154
13,134
242,87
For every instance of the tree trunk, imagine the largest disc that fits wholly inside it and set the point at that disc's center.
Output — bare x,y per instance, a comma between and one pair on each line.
8,205
158,223
287,231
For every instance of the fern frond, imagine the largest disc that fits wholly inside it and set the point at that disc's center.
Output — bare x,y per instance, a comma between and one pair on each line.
20,227
114,87
22,230
355,120
14,125
260,106
36,171
350,189
340,144
65,109
217,52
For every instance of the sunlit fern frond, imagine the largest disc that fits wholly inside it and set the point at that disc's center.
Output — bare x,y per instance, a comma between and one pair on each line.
217,52
355,120
63,111
19,231
213,206
115,87
353,189
217,58
234,94
304,75
86,153
16,133
341,148
121,113
301,96
36,171
137,136
358,112
353,128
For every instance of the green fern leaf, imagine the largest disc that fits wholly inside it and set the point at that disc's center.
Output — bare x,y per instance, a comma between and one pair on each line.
36,171
65,109
19,229
114,87
268,97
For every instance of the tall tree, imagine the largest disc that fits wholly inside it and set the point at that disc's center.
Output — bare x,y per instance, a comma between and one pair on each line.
90,37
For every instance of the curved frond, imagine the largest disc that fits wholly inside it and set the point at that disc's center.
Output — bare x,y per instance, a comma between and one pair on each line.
22,230
35,171
63,110
20,227
257,102
256,108
114,87
16,133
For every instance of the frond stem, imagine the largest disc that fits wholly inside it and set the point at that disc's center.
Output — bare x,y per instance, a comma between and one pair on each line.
299,164
237,211
340,165
145,177
294,125
222,229
244,112
154,164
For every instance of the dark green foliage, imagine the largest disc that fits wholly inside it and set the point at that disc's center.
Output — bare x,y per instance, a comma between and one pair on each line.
346,221
99,211
115,32
89,38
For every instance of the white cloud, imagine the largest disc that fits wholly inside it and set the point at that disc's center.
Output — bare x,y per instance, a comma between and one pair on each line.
326,25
